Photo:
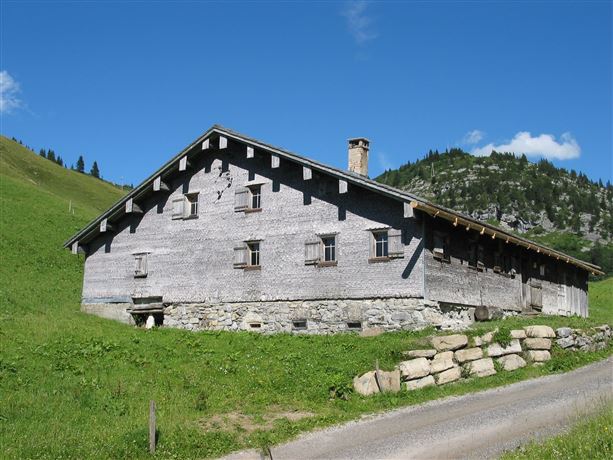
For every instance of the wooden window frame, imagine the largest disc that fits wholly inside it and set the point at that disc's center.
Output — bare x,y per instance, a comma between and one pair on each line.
440,247
324,260
191,204
253,253
379,250
255,198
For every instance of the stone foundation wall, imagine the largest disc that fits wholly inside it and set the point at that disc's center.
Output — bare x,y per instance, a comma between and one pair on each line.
321,316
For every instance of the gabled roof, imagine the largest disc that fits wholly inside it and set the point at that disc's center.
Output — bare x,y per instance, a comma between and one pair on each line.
410,200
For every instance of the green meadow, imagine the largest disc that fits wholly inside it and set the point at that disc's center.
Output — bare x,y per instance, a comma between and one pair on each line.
78,386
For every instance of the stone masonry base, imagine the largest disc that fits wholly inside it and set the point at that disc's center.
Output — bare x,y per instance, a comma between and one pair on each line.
318,316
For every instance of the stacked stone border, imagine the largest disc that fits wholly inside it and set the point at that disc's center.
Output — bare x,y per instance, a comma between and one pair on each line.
456,357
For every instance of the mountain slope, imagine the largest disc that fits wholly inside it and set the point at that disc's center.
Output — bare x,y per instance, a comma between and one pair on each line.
551,205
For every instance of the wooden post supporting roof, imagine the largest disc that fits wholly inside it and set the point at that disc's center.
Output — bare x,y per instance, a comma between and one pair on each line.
184,163
160,185
132,207
105,226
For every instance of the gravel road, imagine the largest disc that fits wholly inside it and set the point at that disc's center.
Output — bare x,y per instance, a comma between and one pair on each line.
478,425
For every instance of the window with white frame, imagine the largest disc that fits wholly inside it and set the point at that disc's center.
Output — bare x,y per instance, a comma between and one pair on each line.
328,244
191,205
381,244
140,265
253,248
248,199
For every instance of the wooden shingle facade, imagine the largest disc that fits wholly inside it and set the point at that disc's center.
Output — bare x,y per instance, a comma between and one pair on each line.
236,234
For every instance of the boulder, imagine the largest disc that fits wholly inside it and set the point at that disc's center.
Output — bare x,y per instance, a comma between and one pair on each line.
388,381
420,353
371,332
564,332
450,375
450,342
482,367
468,354
414,368
442,361
366,384
565,342
540,332
538,356
518,334
537,344
420,383
496,349
511,362
484,339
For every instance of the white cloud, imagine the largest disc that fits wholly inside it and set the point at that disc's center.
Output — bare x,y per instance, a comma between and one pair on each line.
473,137
9,93
544,145
358,22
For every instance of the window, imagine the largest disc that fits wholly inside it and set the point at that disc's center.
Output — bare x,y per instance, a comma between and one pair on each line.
354,325
191,200
299,324
440,249
140,265
185,207
329,248
381,244
542,270
256,196
248,199
254,254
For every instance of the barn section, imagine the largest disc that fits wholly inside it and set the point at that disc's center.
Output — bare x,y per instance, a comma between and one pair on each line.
180,250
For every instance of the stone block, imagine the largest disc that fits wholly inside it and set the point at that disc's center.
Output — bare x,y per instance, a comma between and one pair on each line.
544,332
565,342
564,332
371,332
450,375
496,349
366,384
511,362
468,354
481,367
414,368
518,334
389,381
450,342
420,383
442,361
538,356
537,344
420,353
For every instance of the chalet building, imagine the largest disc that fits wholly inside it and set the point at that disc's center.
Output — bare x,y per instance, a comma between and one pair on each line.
235,234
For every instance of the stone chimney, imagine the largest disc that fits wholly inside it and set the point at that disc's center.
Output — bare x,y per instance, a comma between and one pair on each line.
358,155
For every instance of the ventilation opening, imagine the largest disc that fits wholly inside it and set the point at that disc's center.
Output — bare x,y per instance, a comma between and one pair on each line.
140,319
354,325
299,324
255,325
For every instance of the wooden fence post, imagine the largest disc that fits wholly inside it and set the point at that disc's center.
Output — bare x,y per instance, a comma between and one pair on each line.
152,426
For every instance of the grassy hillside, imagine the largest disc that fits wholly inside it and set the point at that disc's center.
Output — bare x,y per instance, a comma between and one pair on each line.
78,386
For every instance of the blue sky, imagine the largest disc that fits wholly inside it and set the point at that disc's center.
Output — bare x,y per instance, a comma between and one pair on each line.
129,84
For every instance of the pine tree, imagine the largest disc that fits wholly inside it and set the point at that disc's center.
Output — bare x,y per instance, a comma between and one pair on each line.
80,164
51,155
95,171
59,161
42,153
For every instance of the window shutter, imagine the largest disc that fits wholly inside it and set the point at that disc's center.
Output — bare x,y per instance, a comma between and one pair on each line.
241,255
241,199
178,208
395,246
312,249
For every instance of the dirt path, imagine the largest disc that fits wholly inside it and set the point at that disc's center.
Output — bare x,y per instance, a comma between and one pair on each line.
478,425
